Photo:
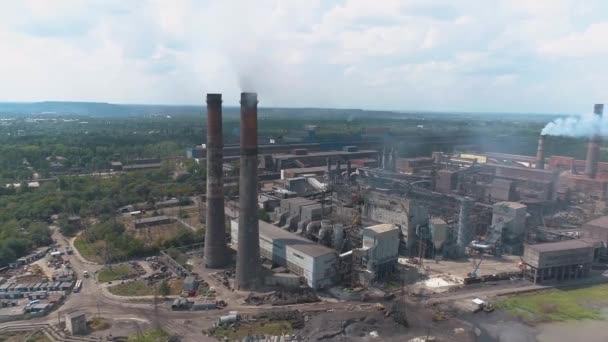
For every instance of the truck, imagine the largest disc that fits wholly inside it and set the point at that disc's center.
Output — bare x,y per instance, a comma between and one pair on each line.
85,274
69,251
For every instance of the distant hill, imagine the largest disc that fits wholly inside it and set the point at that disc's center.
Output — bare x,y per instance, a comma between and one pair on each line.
93,109
103,109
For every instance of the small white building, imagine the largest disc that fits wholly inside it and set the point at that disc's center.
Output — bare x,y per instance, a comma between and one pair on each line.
317,264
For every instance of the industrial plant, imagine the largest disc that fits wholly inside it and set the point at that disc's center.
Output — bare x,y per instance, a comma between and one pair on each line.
361,216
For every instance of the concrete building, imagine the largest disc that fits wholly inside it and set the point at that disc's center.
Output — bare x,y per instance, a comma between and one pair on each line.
140,167
315,263
415,166
268,202
597,231
408,214
190,284
152,221
562,260
379,252
76,323
116,166
512,217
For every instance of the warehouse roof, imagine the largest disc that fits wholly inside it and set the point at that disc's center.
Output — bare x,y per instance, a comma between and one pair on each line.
559,246
437,221
382,228
292,240
153,219
601,222
322,154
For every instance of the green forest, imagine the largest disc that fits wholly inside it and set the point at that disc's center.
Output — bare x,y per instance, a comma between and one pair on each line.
26,213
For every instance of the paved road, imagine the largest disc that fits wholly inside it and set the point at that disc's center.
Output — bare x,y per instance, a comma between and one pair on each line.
188,324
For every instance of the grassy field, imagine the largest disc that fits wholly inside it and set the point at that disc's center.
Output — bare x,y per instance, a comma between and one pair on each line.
88,250
20,337
558,305
155,335
115,272
132,288
258,328
98,323
136,288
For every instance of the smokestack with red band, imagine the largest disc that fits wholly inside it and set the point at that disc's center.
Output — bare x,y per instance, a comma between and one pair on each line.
540,153
248,252
215,233
593,148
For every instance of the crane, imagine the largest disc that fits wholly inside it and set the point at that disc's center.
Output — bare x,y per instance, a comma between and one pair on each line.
473,274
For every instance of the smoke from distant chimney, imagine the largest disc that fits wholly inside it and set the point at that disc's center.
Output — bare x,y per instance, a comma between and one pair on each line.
586,125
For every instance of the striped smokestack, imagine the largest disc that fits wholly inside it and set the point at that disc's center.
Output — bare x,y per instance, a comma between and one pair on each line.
248,250
540,153
215,233
593,147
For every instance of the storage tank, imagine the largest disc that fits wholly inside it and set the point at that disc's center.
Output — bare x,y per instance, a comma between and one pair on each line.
439,232
228,319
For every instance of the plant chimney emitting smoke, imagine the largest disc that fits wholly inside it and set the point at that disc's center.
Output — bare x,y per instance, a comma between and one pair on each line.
593,148
248,250
540,152
216,251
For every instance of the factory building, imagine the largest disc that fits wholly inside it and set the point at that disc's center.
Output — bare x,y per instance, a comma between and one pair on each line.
570,259
511,218
378,256
313,262
304,158
415,166
597,232
405,213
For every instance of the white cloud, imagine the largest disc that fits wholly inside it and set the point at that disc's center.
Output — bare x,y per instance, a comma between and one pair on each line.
592,42
516,54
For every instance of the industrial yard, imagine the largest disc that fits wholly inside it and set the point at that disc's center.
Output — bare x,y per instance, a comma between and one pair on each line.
332,243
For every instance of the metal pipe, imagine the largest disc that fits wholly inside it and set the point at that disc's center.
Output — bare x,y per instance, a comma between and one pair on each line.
216,252
248,250
593,147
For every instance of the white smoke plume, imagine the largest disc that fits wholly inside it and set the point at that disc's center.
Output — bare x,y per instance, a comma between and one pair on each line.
586,125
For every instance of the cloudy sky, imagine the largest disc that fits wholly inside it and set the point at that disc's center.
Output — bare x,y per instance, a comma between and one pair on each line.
461,55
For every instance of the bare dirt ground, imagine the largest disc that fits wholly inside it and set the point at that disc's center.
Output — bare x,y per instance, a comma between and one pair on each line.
374,325
459,269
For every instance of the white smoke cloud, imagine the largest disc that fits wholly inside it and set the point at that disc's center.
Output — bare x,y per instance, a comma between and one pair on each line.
585,125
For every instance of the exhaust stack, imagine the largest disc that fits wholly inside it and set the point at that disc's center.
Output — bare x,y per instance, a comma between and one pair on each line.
593,147
215,233
248,252
540,153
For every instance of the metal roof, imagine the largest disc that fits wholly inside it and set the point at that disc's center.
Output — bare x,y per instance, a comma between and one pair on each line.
560,246
601,222
382,228
292,240
153,219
